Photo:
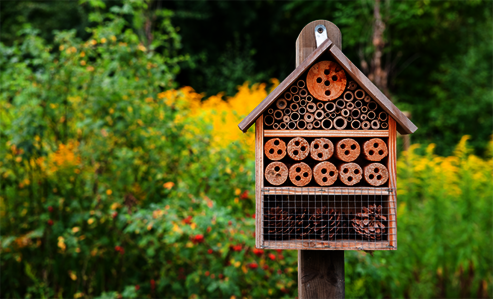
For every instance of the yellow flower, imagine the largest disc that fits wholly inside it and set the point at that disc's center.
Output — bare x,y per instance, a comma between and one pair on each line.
141,47
82,54
113,38
61,47
93,42
90,68
72,275
18,159
103,40
109,192
168,185
90,221
237,191
82,62
75,229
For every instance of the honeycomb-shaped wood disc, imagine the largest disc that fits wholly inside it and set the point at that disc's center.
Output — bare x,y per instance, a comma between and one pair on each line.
275,149
321,149
325,173
350,173
298,148
276,173
326,80
376,174
347,150
300,174
375,149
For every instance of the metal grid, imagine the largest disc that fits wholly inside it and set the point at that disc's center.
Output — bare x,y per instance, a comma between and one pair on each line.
336,218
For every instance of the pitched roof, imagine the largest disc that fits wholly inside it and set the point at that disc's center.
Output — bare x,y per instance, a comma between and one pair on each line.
404,125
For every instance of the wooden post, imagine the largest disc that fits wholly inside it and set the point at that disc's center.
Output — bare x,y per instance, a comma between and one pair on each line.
320,272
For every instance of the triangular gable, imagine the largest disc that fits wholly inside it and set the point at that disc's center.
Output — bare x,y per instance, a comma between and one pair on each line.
404,125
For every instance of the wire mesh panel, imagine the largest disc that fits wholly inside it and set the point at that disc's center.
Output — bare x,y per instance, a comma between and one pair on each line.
335,218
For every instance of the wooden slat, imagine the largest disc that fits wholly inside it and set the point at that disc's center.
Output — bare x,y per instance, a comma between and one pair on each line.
328,245
405,125
248,121
259,179
326,133
392,182
326,191
321,275
306,42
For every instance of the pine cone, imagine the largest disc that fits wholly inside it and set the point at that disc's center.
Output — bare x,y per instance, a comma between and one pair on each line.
279,224
370,223
325,224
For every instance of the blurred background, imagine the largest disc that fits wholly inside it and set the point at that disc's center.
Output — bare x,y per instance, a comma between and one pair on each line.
123,173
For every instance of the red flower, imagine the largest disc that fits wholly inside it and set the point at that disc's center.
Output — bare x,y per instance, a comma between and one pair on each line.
253,216
50,209
137,287
258,252
198,239
253,265
122,251
187,220
153,284
266,267
284,290
50,222
210,251
118,248
206,273
279,271
272,257
221,276
236,247
281,257
244,195
279,250
229,222
114,215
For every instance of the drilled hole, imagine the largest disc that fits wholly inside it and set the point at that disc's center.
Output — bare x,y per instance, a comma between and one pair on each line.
298,169
356,171
277,168
303,148
334,78
327,82
326,146
346,153
295,153
324,171
380,152
371,153
343,145
379,177
345,170
297,178
320,155
276,142
324,179
349,179
332,173
271,151
353,147
377,170
371,176
319,80
297,143
327,71
305,174
375,145
279,152
327,92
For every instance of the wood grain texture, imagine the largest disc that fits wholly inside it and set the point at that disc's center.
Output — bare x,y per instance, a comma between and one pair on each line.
259,178
321,274
405,125
306,42
326,133
248,121
327,190
392,166
327,245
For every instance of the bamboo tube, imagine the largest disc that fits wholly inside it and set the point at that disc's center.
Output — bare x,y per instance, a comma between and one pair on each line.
382,116
296,98
295,116
363,117
301,124
321,149
356,124
350,173
270,111
275,126
371,115
347,150
355,113
302,110
268,120
294,107
375,149
375,124
286,118
283,125
384,125
326,124
309,98
367,99
303,92
303,103
309,126
349,106
330,107
298,148
311,107
359,94
294,89
320,105
278,114
309,117
319,114
364,109
340,123
365,125
348,96
276,173
287,111
300,84
345,112
316,124
327,115
376,174
300,174
352,85
281,104
325,173
358,104
340,104
372,106
333,115
288,96
291,125
349,119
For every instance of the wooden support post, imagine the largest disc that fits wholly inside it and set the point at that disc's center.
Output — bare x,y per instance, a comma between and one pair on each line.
320,272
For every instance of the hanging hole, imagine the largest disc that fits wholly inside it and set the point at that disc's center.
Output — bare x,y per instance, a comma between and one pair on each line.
297,143
319,80
324,171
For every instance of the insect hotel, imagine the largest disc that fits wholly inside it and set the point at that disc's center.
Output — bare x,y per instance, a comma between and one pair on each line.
326,158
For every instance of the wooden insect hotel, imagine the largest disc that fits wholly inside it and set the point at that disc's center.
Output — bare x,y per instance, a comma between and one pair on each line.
326,158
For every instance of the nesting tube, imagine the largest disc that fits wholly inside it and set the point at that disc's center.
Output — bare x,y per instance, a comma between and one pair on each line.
303,92
355,113
367,99
352,85
311,107
302,110
283,125
345,112
358,104
359,94
371,115
372,106
325,173
268,120
326,124
270,111
340,104
375,149
340,123
287,111
348,96
281,104
365,125
303,103
300,174
347,150
384,125
364,109
275,149
296,98
376,174
349,119
356,124
309,117
320,105
349,106
298,148
309,98
286,118
319,114
333,115
382,116
363,117
275,126
350,173
309,126
294,89
294,107
300,84
375,124
301,124
278,114
295,116
316,124
276,173
321,149
327,115
288,96
291,125
330,107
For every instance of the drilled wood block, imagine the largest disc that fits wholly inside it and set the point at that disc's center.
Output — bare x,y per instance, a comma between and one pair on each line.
275,149
298,148
325,173
375,149
326,80
347,150
376,174
276,173
350,173
321,149
300,174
